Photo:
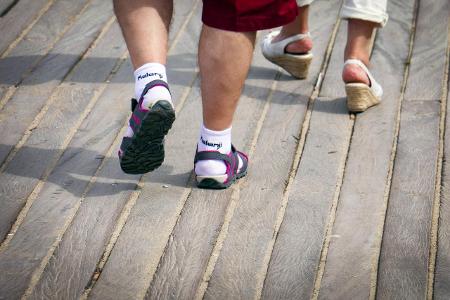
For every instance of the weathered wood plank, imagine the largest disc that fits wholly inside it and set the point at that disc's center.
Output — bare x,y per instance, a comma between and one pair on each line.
404,256
33,96
69,271
354,247
241,266
442,276
38,156
291,271
404,261
37,42
70,181
38,87
19,18
187,253
428,59
129,269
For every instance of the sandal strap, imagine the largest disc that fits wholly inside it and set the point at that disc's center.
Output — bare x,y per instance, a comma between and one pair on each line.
134,103
136,117
212,155
374,85
244,159
286,41
126,142
279,48
151,85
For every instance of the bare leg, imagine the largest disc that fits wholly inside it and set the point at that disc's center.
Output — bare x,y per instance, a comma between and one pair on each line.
224,60
358,46
145,26
299,25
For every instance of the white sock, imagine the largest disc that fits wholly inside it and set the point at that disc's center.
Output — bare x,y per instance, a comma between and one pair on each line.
147,73
211,140
143,75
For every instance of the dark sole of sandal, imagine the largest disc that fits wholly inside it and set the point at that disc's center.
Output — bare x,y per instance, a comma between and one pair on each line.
212,184
146,152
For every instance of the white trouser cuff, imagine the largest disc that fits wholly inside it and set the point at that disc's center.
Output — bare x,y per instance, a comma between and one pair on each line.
301,3
373,15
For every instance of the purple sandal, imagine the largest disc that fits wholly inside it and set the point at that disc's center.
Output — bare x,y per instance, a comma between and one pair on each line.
232,174
144,152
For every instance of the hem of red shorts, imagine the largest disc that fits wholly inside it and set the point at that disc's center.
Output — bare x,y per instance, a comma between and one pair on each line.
246,24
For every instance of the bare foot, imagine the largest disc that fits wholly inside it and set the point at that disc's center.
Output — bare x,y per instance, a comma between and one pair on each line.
354,74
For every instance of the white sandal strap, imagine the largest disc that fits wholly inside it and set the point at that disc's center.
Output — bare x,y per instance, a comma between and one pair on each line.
295,38
374,84
277,48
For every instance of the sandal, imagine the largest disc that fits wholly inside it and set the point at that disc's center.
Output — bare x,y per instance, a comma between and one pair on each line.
144,151
295,64
231,161
361,96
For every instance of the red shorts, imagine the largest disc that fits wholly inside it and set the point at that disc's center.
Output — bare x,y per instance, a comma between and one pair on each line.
248,15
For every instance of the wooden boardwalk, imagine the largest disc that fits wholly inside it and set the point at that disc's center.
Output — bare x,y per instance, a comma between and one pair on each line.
335,206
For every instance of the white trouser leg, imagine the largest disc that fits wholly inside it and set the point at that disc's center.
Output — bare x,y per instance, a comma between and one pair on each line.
368,10
301,3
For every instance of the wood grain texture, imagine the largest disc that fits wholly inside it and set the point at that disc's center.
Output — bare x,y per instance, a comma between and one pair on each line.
37,42
134,259
428,60
18,19
72,263
298,246
76,257
404,257
442,276
242,261
44,147
406,243
24,170
36,89
187,253
361,202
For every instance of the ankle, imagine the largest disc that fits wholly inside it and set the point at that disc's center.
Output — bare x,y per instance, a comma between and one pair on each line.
146,74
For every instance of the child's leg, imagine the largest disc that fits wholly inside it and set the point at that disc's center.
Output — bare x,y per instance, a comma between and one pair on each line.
224,60
363,17
145,26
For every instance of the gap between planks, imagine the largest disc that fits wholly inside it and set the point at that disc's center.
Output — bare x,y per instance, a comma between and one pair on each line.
333,209
28,28
12,89
52,99
127,210
234,199
293,170
35,123
38,272
130,203
376,255
437,195
304,129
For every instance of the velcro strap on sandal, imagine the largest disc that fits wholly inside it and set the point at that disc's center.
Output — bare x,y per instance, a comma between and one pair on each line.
134,103
152,84
212,155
